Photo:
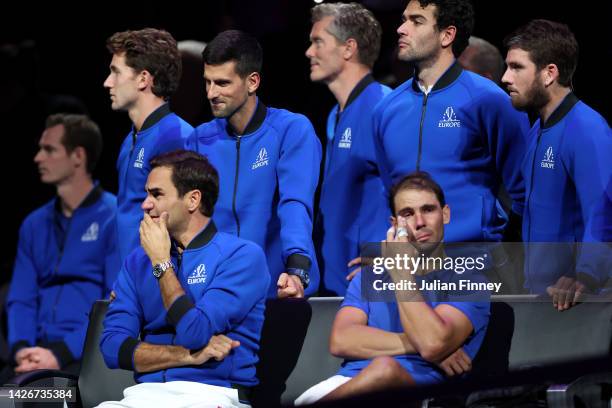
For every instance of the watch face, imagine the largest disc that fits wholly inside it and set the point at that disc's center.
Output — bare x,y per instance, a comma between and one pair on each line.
157,271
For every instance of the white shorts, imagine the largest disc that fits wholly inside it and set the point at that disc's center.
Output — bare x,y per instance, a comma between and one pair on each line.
177,394
318,391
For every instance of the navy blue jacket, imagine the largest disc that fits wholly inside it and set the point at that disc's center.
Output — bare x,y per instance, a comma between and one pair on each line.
63,265
567,169
161,132
225,279
267,180
352,207
467,135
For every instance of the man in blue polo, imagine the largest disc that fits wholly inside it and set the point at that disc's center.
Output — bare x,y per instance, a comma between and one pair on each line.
344,44
190,301
67,256
268,161
567,168
454,124
144,72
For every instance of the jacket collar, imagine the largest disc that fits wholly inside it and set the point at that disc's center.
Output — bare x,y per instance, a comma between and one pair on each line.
450,76
563,109
155,116
361,85
255,123
89,200
204,236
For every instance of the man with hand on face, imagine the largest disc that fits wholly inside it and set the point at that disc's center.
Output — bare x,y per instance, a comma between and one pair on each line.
404,342
67,256
190,301
144,73
567,168
345,42
268,162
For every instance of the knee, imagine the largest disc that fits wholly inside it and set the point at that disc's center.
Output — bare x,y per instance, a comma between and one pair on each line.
386,369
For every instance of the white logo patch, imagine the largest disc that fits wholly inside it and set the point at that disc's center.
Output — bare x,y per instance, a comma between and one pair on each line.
140,159
92,233
549,159
449,119
198,275
346,139
261,160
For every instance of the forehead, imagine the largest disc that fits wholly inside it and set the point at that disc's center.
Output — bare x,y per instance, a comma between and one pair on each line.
415,199
53,135
225,70
160,178
320,28
414,8
518,55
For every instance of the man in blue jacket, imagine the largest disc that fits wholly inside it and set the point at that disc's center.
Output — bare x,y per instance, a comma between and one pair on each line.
344,44
144,72
268,161
67,255
454,124
190,301
567,168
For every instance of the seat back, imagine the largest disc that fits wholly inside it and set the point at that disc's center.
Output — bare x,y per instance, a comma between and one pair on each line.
97,382
315,363
493,356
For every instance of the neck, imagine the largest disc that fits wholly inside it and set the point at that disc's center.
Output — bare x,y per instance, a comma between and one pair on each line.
429,71
73,192
240,119
141,110
194,226
343,84
557,94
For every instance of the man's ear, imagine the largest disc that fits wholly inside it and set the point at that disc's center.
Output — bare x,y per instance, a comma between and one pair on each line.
79,156
253,81
350,49
447,36
446,214
194,198
550,74
145,79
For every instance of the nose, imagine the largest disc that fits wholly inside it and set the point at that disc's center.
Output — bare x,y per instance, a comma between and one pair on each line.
506,78
400,30
107,82
38,157
419,220
309,51
147,204
211,91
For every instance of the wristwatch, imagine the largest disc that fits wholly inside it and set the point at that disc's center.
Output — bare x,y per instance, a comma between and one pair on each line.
302,274
160,268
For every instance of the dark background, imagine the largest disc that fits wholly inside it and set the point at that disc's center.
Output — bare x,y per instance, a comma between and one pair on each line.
48,51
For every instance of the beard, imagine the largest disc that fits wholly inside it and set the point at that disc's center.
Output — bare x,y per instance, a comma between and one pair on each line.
534,99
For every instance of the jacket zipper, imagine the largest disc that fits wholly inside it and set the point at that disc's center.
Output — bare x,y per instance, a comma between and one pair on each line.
179,259
236,185
59,260
423,109
527,202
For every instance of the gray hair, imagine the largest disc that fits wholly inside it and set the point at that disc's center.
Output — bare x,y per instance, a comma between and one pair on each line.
352,20
487,58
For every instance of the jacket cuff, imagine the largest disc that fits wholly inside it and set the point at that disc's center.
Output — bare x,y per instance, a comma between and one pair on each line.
178,309
589,281
16,347
298,261
126,353
61,351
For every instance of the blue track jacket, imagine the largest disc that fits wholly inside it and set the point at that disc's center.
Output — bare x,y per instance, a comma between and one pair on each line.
352,207
267,180
467,135
225,279
63,265
161,132
567,169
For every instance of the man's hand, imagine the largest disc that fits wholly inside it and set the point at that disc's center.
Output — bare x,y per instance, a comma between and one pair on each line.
218,347
566,293
35,358
289,286
456,364
353,262
154,238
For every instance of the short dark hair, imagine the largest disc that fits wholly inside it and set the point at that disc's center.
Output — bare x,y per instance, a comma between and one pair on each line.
237,46
547,42
458,13
150,50
191,171
79,131
418,180
352,20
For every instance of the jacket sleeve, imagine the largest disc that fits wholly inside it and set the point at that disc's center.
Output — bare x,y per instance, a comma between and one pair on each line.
298,174
22,300
507,131
239,283
122,323
591,171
